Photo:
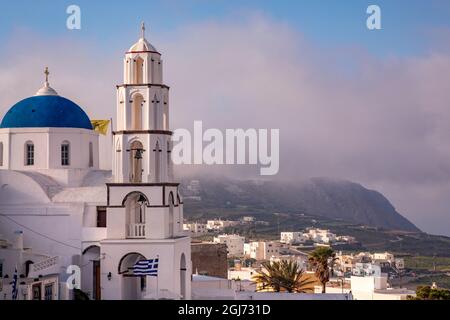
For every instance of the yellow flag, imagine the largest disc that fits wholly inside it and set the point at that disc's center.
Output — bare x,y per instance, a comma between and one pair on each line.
101,126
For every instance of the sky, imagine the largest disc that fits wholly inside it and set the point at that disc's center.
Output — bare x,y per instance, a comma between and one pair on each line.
368,106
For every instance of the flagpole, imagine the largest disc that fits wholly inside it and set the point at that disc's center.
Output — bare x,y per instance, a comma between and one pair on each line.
112,136
157,280
14,286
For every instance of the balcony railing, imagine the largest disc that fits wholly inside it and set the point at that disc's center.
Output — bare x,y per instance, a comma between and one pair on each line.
44,267
136,231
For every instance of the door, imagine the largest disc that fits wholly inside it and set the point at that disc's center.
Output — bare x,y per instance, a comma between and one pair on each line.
36,289
96,286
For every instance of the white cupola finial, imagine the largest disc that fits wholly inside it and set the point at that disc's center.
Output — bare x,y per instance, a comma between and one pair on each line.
46,90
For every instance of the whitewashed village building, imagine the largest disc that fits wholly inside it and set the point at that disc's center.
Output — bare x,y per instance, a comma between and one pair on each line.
73,212
262,250
292,237
234,242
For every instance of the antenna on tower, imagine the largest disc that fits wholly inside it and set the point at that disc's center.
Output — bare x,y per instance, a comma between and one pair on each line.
143,30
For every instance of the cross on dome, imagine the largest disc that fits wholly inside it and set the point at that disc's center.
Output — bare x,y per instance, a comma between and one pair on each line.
143,30
46,72
46,90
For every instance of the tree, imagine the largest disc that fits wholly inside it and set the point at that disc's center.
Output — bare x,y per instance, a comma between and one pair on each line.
80,295
284,276
428,293
322,261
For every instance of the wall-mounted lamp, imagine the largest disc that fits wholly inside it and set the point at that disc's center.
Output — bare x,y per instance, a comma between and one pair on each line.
109,276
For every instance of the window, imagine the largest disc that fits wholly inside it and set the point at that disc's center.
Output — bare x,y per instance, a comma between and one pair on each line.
28,263
65,154
1,154
91,155
48,291
29,154
36,291
101,217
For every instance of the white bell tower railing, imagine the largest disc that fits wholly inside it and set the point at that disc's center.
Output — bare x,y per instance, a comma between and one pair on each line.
136,231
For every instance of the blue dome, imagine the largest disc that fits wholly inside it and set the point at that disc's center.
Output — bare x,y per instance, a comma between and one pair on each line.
46,111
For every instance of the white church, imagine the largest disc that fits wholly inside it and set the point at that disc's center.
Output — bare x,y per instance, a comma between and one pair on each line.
58,209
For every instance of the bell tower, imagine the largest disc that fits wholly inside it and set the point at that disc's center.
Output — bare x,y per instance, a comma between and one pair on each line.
144,208
142,143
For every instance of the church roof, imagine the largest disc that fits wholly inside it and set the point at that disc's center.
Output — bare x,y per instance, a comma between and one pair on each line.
142,45
46,111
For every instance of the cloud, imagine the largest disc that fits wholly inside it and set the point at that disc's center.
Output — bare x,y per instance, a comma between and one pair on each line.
383,122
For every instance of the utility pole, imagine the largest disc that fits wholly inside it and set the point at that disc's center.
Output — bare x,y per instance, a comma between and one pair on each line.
434,262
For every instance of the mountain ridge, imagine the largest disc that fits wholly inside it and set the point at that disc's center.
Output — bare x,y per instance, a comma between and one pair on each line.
324,197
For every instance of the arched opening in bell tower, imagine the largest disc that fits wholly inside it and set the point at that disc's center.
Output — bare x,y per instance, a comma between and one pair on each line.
169,162
135,204
136,112
183,276
157,152
171,215
136,153
138,71
155,112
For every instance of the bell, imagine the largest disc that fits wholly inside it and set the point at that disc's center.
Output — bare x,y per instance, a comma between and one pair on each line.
138,154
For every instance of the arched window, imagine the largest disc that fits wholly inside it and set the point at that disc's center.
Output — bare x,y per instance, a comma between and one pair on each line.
65,153
136,112
28,263
29,153
91,155
1,154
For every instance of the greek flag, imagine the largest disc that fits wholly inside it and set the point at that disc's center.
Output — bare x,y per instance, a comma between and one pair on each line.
146,268
15,290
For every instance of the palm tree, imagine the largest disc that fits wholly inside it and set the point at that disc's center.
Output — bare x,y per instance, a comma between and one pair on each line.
283,276
322,261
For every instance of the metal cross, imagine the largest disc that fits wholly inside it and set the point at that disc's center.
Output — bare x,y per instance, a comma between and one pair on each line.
46,72
143,30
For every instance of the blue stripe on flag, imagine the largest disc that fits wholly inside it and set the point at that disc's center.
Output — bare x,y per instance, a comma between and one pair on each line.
146,267
15,290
